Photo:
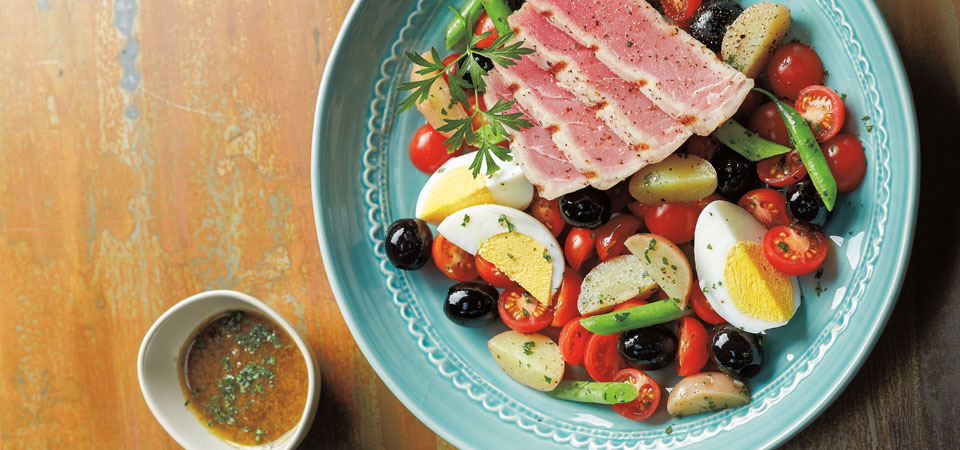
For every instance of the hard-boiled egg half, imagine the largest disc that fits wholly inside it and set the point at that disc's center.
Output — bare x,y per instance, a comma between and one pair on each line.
516,243
734,273
452,187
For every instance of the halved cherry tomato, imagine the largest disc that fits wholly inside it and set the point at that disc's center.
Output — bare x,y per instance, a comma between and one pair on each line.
648,396
485,24
636,301
610,236
453,261
579,246
766,205
782,170
792,68
692,350
768,124
846,160
573,342
701,306
795,250
680,10
427,150
565,300
823,109
548,213
601,357
674,221
492,275
520,311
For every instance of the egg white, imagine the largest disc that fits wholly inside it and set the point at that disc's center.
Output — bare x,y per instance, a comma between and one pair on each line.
508,186
719,228
484,222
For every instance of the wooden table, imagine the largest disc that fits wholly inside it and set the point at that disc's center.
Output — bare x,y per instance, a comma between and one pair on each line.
152,150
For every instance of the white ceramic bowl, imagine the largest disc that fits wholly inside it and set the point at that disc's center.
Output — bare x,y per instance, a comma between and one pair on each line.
158,366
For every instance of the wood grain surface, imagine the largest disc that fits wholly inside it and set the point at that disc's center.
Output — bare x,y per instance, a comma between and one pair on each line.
153,150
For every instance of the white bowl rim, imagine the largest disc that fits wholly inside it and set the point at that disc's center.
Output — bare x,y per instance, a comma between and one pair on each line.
313,385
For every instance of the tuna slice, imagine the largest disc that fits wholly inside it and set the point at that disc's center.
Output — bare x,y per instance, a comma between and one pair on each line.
590,145
673,69
541,161
630,114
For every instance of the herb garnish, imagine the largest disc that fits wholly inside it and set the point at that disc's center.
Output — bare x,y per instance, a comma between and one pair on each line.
495,119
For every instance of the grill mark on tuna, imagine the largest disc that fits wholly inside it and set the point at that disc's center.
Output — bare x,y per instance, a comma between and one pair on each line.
641,147
552,129
688,120
557,67
600,106
513,88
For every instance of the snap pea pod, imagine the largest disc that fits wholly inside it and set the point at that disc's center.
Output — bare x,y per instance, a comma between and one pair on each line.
457,28
498,12
636,317
803,139
594,392
746,142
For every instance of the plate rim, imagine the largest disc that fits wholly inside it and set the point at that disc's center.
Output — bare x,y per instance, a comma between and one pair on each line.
799,422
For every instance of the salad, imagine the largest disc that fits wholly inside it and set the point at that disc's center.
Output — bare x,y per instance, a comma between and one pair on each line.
627,187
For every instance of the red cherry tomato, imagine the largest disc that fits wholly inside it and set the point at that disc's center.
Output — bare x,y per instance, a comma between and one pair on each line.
782,170
610,236
792,68
636,301
648,395
492,275
573,342
427,151
484,25
748,107
601,357
768,124
692,349
766,205
846,160
565,300
579,246
674,221
521,312
701,306
453,261
823,109
680,10
795,250
709,199
472,103
548,213
702,146
639,209
619,196
449,59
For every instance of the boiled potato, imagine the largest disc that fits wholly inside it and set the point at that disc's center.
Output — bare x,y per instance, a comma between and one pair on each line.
705,392
665,262
533,359
437,106
754,36
613,282
678,178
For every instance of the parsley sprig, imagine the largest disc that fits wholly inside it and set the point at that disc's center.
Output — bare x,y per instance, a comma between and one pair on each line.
495,120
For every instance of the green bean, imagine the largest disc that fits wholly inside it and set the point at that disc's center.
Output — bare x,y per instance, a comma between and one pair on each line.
636,317
498,12
746,142
594,392
810,153
457,29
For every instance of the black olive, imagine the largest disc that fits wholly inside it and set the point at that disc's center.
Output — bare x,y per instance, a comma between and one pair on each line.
735,174
804,204
711,21
408,243
649,348
737,353
586,208
515,4
483,61
471,304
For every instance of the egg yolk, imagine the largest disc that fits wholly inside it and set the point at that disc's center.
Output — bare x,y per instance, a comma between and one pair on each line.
454,190
757,289
523,259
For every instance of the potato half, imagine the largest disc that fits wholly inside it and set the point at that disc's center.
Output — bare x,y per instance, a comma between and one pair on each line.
754,36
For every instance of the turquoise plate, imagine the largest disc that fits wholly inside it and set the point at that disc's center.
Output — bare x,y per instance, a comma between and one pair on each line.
363,180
